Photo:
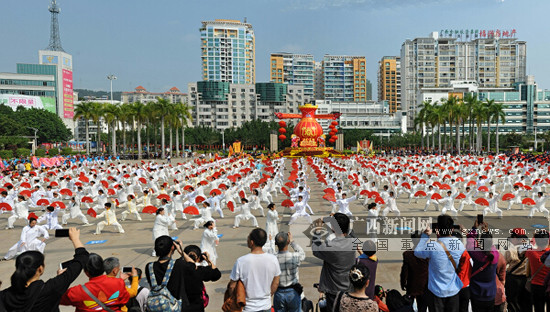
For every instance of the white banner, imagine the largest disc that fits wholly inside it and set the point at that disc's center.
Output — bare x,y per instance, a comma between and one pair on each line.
15,100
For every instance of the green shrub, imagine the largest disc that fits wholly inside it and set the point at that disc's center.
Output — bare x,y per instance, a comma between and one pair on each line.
23,152
6,154
53,152
66,151
40,152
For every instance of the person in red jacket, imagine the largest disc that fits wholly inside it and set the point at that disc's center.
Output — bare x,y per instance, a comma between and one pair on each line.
110,291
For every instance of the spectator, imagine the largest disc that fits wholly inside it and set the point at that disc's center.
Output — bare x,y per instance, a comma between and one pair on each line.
258,271
287,298
165,247
517,297
414,275
139,302
356,300
537,271
443,281
379,296
108,292
111,266
368,258
464,272
338,257
500,299
206,271
28,292
398,303
483,287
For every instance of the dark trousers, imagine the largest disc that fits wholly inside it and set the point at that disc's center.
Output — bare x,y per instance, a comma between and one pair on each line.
330,298
540,300
448,304
464,299
518,298
421,302
482,306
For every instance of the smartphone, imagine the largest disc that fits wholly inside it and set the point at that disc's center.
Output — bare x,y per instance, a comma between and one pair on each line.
62,233
479,218
64,265
127,270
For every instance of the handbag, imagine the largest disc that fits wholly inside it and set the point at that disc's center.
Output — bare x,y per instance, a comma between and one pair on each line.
94,298
528,283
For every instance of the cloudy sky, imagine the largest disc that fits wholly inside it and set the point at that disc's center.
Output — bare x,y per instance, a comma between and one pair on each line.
157,44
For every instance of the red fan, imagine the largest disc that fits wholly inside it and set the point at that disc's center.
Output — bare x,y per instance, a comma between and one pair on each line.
26,185
199,199
287,203
483,189
203,182
528,201
379,200
254,185
519,184
91,212
78,183
84,179
420,193
5,207
54,184
187,187
142,180
231,206
445,187
126,176
437,184
26,193
374,194
285,191
110,178
223,186
163,196
149,209
461,196
293,177
422,181
241,194
192,210
329,190
329,197
406,185
527,187
32,173
215,192
460,179
508,196
59,204
290,184
2,190
111,192
66,192
482,202
8,184
105,183
43,202
471,183
364,192
356,183
87,199
32,215
436,196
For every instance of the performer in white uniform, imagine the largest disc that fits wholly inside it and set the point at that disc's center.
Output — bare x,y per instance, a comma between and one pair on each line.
206,215
160,228
493,208
467,200
20,211
50,217
210,240
271,221
245,214
343,204
131,208
29,240
540,202
448,204
73,212
300,208
391,205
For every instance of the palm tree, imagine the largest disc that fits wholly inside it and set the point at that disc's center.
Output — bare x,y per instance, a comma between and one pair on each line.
497,111
421,119
124,116
84,111
111,114
162,109
97,114
184,114
140,114
479,112
488,106
470,102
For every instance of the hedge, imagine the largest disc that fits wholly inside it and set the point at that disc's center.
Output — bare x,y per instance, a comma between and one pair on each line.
66,151
23,152
40,152
6,154
53,152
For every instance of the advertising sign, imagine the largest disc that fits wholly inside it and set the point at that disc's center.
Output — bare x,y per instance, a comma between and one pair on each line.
49,104
15,100
68,101
50,59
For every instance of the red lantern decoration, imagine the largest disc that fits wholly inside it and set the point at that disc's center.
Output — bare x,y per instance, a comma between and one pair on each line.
282,130
334,137
331,141
332,133
334,123
335,130
282,137
282,124
331,127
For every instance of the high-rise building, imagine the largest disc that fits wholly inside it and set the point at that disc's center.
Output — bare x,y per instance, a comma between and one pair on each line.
141,95
389,81
318,87
228,51
369,90
434,61
344,78
294,69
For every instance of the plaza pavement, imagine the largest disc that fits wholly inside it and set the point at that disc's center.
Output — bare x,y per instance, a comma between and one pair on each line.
135,246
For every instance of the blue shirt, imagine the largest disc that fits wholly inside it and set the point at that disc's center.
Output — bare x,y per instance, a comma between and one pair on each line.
442,278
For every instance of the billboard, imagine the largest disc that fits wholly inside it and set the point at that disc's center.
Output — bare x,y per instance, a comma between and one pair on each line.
50,59
68,101
15,100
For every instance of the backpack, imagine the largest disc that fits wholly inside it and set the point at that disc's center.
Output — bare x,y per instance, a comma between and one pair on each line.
133,304
160,299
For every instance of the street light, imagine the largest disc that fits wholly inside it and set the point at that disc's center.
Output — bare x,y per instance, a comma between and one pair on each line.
223,140
111,77
34,145
535,138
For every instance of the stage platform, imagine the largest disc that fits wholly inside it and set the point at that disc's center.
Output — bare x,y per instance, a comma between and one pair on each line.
322,152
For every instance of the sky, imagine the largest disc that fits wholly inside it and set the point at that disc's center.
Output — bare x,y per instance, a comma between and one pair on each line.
156,44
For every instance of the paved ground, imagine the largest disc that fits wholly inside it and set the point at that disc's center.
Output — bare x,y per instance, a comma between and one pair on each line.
134,247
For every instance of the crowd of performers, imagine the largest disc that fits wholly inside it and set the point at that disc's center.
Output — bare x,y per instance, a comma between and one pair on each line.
99,193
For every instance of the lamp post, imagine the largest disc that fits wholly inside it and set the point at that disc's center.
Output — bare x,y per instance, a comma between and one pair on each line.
111,77
34,145
223,140
535,138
